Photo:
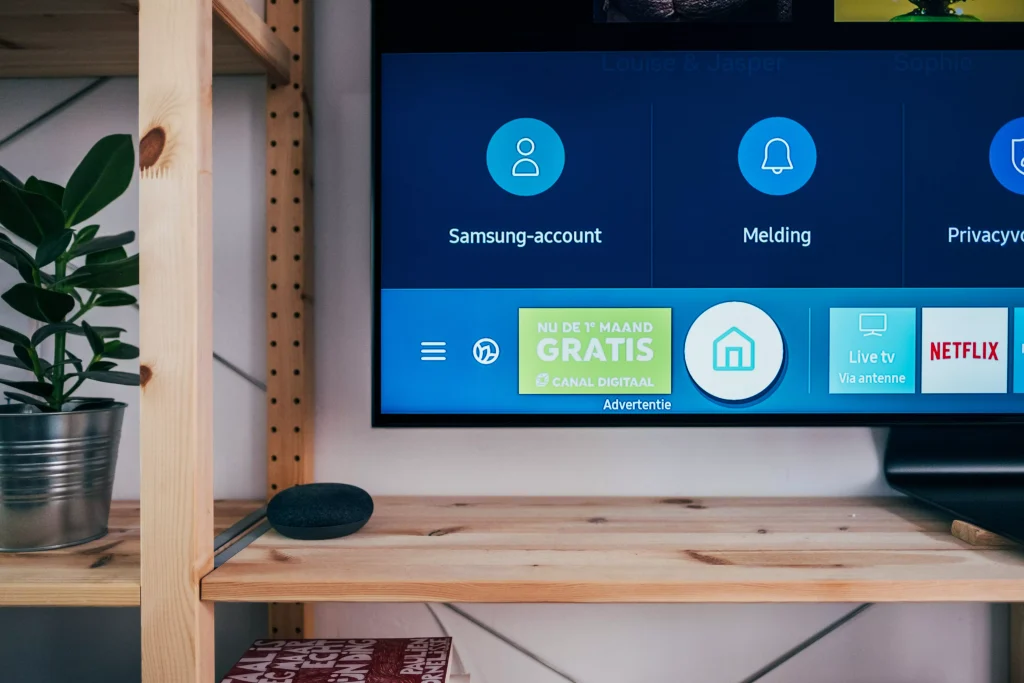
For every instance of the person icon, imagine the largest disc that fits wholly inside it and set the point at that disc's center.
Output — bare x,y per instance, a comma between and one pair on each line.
525,157
525,167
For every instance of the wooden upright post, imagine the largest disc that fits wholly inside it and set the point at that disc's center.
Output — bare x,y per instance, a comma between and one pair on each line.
176,331
290,279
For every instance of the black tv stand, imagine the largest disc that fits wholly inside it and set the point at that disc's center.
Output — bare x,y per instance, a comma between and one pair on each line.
975,473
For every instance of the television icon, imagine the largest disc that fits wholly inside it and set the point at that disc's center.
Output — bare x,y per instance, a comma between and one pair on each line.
873,324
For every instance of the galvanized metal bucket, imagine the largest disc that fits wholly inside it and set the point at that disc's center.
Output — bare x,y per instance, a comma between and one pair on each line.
56,475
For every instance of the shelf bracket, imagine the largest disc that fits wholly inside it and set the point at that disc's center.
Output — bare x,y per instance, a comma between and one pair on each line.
258,36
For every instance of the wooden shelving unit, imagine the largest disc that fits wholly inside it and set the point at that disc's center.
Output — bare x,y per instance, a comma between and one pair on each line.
628,551
104,573
158,550
42,38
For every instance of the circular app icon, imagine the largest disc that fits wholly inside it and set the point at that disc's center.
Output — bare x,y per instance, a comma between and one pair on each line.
777,156
1006,156
734,352
486,351
525,157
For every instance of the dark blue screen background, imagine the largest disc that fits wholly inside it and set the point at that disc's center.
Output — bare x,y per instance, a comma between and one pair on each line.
651,161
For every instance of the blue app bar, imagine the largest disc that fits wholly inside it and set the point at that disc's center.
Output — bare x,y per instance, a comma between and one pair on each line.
838,351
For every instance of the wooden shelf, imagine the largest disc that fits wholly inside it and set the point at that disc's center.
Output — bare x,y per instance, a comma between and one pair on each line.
628,550
40,38
102,573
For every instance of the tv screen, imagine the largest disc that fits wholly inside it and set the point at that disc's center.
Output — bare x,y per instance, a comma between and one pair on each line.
571,232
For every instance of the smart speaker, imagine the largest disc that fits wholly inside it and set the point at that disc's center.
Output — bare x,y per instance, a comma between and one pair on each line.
315,512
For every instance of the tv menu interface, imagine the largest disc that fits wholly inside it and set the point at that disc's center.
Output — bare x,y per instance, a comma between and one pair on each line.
701,233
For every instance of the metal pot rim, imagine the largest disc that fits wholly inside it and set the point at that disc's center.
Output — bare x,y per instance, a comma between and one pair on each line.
4,414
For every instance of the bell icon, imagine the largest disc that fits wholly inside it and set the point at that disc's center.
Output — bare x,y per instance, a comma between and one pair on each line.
777,157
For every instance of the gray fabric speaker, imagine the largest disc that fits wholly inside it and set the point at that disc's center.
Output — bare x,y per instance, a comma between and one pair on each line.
315,512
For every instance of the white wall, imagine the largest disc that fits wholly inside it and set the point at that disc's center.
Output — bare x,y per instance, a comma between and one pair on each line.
595,644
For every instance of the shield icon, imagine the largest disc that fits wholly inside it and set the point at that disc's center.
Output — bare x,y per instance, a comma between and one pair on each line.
1017,154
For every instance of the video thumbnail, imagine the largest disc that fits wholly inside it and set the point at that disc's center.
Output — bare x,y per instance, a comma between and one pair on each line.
929,10
661,11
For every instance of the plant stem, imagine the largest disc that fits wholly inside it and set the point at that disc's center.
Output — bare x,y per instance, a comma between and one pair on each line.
73,389
57,398
59,341
85,308
37,368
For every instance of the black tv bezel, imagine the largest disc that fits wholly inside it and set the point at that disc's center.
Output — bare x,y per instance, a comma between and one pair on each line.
568,26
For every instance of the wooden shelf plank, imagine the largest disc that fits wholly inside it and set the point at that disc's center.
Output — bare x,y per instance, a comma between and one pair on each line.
102,573
48,38
628,550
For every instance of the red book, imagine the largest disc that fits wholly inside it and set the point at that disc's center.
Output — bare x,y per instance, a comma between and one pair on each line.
407,660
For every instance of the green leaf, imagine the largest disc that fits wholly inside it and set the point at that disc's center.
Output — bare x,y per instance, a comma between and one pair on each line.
95,340
48,370
35,388
53,247
100,365
124,273
16,256
85,234
52,191
115,298
23,355
38,303
108,256
30,216
7,176
27,272
113,377
13,337
104,243
103,176
72,329
46,331
22,398
11,252
120,350
107,332
12,362
75,360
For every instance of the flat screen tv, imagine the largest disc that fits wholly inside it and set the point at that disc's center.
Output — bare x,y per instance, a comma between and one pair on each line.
783,219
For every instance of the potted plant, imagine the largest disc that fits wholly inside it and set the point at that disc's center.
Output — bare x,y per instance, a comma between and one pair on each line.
58,449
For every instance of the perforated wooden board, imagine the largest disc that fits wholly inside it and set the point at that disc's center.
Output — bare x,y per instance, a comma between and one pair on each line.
289,280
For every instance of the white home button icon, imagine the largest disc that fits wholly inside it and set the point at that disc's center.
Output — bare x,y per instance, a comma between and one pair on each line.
734,351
